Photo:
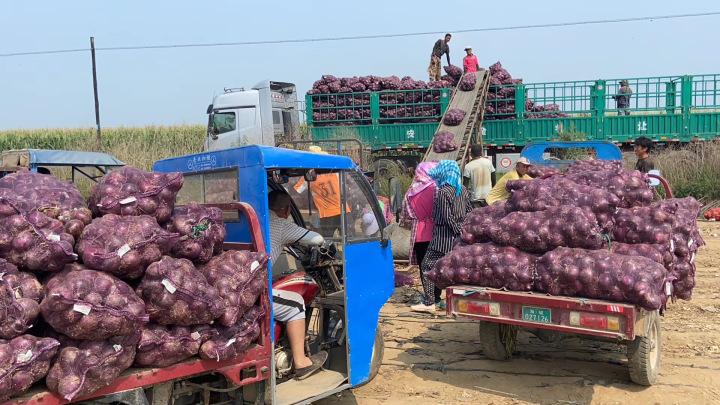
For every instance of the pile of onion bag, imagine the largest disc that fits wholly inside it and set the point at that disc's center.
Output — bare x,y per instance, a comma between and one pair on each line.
595,230
141,283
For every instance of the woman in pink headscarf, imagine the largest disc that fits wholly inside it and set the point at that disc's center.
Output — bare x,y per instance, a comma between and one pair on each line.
419,206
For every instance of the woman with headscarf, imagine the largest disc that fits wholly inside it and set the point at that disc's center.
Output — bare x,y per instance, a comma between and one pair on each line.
418,208
451,203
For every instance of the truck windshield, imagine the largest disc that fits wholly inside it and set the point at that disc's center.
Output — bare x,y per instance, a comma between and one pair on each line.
223,122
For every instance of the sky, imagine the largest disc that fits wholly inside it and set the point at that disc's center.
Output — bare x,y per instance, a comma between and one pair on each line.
174,86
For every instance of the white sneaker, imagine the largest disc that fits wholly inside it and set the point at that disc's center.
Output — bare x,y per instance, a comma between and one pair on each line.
430,309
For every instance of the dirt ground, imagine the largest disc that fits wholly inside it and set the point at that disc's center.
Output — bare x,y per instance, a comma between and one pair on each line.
435,360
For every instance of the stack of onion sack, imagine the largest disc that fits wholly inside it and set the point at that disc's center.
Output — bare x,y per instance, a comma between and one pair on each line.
20,295
124,246
35,242
84,366
131,191
201,232
594,205
601,274
444,141
488,265
96,317
239,277
346,100
501,94
453,117
670,224
558,191
541,231
24,360
55,198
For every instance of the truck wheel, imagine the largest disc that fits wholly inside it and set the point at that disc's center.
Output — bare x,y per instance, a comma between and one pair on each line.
377,355
644,355
497,340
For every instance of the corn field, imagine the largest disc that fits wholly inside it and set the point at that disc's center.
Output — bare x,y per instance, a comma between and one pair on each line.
136,146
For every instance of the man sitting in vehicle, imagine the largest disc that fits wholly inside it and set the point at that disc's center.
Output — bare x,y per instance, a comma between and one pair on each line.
289,307
499,193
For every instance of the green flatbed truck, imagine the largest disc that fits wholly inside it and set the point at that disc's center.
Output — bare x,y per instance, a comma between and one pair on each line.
400,124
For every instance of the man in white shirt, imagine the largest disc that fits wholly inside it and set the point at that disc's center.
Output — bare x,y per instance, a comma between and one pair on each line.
478,176
288,306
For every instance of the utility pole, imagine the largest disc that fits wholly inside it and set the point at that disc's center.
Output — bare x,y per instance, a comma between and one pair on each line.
98,139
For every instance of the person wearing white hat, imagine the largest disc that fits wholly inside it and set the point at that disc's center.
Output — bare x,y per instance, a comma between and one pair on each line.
520,172
470,61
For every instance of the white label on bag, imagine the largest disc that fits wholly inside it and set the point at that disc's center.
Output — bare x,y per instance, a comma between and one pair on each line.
254,265
123,250
82,308
692,258
117,348
23,357
169,285
229,342
672,245
18,294
128,200
668,288
54,238
195,336
691,242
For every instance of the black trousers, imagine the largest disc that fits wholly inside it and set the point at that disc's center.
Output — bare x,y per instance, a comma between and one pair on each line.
429,258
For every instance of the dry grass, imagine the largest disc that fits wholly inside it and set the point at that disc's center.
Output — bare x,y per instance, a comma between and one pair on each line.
693,170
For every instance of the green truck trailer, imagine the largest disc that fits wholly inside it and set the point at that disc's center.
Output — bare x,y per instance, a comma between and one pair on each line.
401,124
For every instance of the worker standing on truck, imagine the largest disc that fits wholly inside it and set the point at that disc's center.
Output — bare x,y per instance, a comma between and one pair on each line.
470,61
477,176
288,306
520,172
642,148
440,48
622,99
451,204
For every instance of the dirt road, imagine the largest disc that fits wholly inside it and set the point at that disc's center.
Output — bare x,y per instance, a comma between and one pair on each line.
434,360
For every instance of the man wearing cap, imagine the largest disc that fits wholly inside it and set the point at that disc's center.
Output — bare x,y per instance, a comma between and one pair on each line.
499,193
440,48
470,61
622,99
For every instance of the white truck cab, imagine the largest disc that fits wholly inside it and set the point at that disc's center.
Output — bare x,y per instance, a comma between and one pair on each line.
259,116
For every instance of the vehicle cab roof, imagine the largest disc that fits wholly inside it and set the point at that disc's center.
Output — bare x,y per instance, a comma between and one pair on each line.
268,157
48,157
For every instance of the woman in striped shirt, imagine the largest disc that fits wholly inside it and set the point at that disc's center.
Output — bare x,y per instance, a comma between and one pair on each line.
450,206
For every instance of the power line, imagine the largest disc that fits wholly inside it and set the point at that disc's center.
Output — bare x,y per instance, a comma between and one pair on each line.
361,37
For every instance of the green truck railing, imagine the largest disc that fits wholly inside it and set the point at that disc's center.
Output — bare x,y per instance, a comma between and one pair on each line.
665,108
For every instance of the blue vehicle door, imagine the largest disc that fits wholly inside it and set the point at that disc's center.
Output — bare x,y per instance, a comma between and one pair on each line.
369,271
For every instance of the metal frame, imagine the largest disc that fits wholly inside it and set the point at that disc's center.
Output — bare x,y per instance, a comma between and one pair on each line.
338,143
515,300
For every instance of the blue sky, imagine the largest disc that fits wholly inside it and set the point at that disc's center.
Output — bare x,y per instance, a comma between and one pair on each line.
174,86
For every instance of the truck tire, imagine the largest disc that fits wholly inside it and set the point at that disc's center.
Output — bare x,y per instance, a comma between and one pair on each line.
644,355
497,340
377,355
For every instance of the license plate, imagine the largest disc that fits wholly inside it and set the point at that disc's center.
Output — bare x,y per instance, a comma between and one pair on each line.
538,315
